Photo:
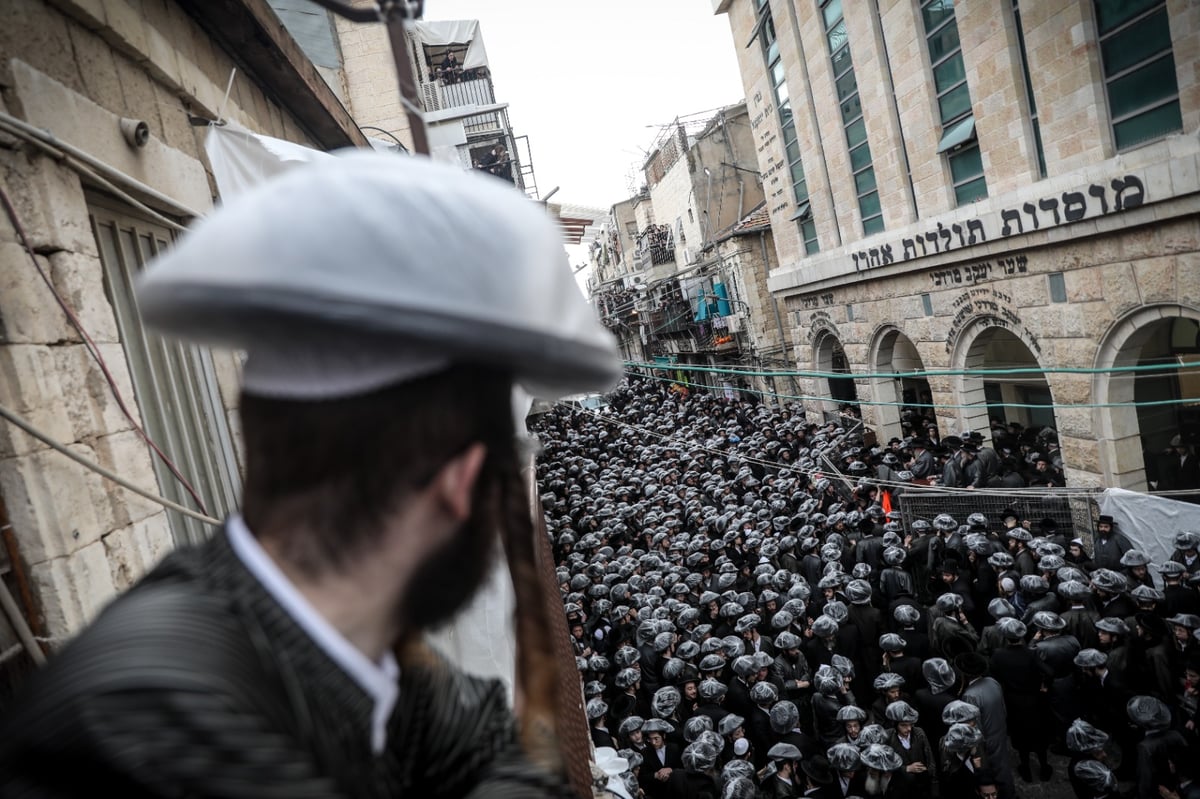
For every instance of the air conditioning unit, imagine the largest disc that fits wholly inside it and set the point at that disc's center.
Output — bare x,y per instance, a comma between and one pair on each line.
432,96
734,323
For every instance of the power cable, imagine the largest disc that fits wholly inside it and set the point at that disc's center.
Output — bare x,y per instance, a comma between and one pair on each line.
984,372
882,403
57,446
93,349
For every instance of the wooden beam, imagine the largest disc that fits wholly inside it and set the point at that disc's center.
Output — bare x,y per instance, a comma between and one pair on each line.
255,38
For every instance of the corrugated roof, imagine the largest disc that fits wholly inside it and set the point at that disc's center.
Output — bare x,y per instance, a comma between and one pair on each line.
756,220
576,221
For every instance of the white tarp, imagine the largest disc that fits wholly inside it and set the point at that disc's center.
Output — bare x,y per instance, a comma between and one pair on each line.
463,31
1150,522
481,639
241,159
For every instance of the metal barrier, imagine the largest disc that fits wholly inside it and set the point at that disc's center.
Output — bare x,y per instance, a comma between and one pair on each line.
1074,513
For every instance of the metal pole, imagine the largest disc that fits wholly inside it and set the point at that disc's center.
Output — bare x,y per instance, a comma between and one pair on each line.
394,13
18,622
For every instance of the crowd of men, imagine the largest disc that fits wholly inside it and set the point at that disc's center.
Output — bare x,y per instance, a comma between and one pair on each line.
749,621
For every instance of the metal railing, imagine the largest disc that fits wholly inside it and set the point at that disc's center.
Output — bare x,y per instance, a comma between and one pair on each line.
467,92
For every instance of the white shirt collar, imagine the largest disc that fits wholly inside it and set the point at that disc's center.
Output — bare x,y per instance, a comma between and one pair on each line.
380,681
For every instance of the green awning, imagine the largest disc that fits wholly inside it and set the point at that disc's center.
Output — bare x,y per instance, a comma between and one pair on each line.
960,132
803,211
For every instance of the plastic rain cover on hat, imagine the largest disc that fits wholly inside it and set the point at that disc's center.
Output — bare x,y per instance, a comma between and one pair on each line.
844,757
939,674
961,737
871,734
352,273
1083,737
696,725
901,711
1148,712
785,716
959,712
1095,775
881,757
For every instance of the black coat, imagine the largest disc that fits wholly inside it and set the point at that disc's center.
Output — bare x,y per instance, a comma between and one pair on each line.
1022,675
738,699
930,706
197,682
688,784
1158,756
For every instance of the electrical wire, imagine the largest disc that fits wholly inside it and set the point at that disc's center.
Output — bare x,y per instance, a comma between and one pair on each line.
57,446
914,375
93,349
92,168
882,403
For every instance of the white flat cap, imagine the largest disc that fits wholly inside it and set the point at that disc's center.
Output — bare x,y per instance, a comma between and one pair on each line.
344,276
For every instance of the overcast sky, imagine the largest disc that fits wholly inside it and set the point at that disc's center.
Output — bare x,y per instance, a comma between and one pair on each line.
584,79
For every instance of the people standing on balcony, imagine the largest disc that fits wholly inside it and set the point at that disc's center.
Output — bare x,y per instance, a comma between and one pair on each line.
496,162
449,69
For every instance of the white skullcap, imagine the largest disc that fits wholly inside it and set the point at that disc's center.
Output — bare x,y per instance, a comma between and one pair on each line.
349,274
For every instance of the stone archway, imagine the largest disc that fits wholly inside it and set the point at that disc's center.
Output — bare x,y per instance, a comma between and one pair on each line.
1158,334
892,352
829,357
986,345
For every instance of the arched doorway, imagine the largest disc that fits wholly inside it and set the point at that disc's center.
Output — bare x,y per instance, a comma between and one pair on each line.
831,358
1138,436
996,398
894,353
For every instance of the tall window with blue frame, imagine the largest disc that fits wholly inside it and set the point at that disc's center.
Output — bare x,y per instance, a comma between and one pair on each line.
765,31
958,140
853,123
1139,70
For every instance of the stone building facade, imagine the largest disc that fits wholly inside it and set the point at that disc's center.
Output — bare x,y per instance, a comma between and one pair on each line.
680,268
103,112
958,186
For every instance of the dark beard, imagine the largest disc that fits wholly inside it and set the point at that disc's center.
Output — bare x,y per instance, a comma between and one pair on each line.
449,578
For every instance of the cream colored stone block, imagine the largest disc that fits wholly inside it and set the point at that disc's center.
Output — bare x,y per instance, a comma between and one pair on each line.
129,456
97,66
1076,422
89,12
86,395
73,589
1080,453
1120,284
135,549
126,28
79,279
52,503
77,119
48,199
29,313
30,385
1155,279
